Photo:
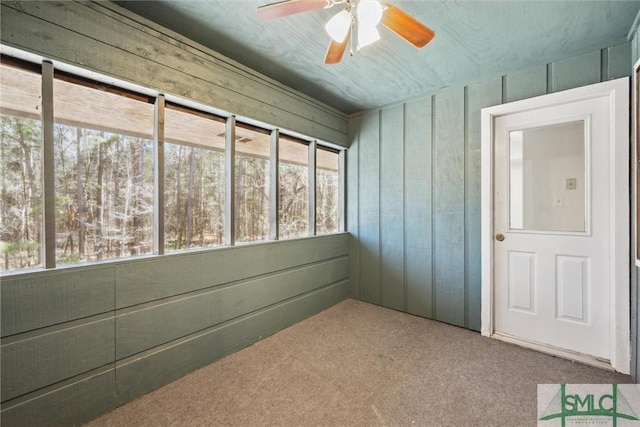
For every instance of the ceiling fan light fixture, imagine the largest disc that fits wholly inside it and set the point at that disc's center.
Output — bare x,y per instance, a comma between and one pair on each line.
369,12
367,35
338,26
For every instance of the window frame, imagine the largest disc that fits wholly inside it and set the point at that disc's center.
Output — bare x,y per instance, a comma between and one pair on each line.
635,156
50,70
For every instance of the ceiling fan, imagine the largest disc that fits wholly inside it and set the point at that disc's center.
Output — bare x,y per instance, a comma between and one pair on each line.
357,23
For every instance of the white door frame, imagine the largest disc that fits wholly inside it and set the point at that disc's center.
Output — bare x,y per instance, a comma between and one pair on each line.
617,91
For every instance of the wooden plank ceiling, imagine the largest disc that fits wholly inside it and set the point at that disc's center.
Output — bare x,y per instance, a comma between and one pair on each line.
474,40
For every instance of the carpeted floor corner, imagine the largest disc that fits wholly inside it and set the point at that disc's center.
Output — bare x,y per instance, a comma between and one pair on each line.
357,364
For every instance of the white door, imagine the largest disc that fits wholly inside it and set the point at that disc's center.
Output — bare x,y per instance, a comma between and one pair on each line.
554,226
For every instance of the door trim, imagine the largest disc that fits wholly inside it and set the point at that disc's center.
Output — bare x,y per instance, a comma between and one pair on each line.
617,92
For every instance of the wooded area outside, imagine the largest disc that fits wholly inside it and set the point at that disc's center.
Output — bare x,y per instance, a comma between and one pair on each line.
104,166
327,188
21,165
294,189
253,182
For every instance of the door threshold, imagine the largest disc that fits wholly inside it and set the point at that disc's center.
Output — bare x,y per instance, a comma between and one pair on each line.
554,351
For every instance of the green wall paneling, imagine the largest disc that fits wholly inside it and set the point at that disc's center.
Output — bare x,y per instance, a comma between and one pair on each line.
448,207
147,371
352,211
44,298
157,278
418,172
479,96
151,325
574,72
369,208
392,210
438,204
525,84
35,360
617,61
71,403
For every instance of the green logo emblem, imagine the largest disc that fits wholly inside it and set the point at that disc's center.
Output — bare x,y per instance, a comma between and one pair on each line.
563,406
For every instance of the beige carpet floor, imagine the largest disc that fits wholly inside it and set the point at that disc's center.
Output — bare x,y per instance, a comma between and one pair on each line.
358,364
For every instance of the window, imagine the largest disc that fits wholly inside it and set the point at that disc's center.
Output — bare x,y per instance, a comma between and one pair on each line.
21,170
327,191
194,178
252,184
94,152
104,173
293,176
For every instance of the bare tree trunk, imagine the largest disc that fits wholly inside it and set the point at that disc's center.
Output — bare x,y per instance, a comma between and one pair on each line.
99,208
189,213
5,235
239,195
31,191
81,217
179,225
136,219
120,224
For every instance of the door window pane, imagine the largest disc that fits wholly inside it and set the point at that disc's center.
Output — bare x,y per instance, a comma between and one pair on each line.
293,172
327,206
252,184
547,179
104,174
21,172
194,179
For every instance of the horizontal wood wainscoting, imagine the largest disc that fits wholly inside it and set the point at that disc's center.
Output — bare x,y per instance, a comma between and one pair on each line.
413,187
78,342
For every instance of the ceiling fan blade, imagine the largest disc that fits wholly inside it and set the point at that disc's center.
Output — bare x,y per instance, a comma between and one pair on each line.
290,7
406,26
336,50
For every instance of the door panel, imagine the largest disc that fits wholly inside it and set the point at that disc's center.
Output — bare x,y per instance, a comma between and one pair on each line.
522,281
573,288
551,204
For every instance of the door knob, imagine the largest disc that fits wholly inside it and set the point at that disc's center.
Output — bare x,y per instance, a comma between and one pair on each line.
499,237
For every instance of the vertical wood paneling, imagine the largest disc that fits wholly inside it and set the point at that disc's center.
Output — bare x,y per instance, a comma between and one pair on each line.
618,61
526,84
418,236
352,199
480,95
441,165
575,72
635,52
369,193
392,207
448,187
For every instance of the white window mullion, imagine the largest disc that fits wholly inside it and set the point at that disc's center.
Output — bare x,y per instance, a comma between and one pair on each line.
274,223
230,182
158,176
312,187
48,169
342,168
